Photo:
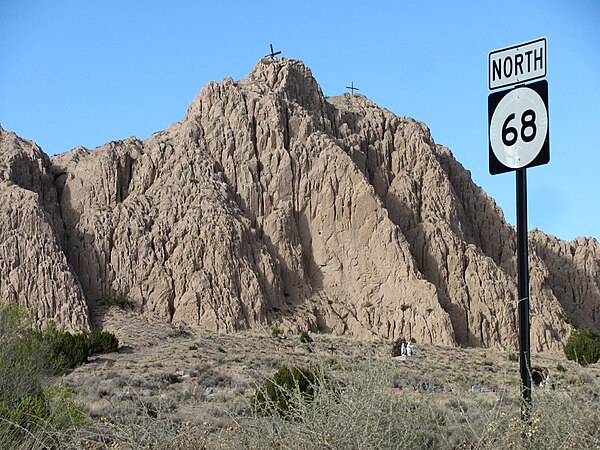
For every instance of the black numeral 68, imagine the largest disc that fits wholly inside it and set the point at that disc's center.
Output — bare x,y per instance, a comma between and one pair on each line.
511,134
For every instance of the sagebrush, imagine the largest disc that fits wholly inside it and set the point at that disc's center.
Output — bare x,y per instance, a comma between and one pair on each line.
29,359
583,346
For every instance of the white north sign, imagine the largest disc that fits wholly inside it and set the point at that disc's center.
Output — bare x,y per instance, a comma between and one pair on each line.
517,64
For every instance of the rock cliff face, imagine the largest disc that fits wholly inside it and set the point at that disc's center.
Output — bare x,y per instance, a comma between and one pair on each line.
33,267
271,204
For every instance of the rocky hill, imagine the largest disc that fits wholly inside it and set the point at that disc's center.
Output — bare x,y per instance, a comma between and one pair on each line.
271,204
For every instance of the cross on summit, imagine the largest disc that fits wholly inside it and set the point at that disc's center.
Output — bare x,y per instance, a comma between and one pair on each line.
273,53
352,88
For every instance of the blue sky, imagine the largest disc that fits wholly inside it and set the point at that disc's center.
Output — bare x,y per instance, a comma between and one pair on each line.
87,72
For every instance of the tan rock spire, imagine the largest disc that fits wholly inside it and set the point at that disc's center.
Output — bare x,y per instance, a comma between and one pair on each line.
269,203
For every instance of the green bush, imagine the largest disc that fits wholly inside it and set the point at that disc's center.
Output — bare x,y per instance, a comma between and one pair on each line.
100,342
28,359
279,392
275,332
35,415
25,410
23,355
62,411
513,357
21,417
67,350
305,337
583,346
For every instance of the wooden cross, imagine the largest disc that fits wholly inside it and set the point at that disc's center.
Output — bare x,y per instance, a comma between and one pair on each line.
273,53
352,88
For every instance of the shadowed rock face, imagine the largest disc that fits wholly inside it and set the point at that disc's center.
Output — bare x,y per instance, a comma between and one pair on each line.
269,203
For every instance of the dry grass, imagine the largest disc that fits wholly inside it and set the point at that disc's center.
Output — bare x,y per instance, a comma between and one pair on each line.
171,388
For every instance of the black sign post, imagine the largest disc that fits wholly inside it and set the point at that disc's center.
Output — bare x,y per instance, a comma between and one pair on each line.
519,138
523,292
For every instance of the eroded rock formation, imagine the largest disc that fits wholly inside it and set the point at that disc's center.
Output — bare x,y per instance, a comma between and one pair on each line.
269,203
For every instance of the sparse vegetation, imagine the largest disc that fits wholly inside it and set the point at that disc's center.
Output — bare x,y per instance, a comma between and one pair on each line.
305,337
356,397
583,346
370,414
28,359
275,331
118,298
513,357
569,319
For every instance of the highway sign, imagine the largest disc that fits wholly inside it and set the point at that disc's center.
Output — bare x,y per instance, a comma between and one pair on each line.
517,64
518,138
518,128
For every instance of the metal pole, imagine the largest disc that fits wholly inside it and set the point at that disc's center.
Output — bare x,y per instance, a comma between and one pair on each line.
523,274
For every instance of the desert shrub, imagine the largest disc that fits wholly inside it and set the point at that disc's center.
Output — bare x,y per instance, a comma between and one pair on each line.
179,332
275,332
40,421
583,346
100,342
27,362
118,298
513,357
20,416
23,355
305,337
67,350
62,411
560,368
278,392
